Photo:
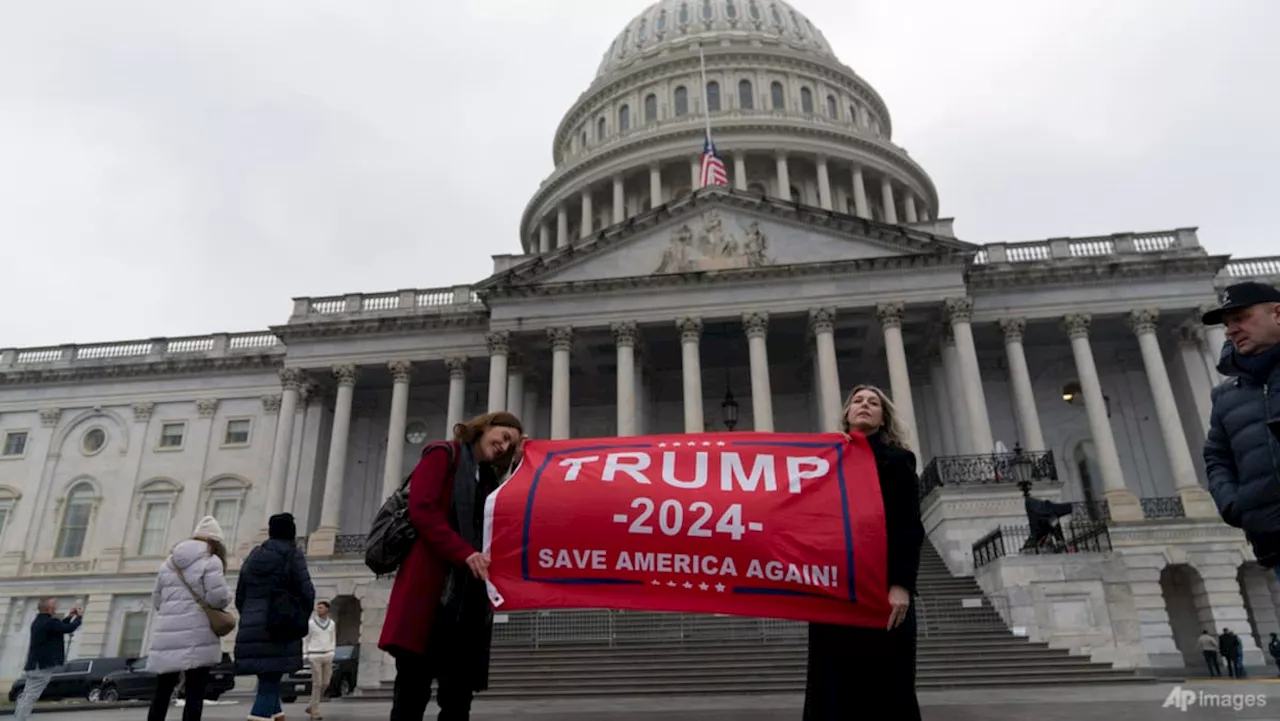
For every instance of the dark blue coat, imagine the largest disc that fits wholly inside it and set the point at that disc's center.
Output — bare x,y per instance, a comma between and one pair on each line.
47,648
1242,457
267,566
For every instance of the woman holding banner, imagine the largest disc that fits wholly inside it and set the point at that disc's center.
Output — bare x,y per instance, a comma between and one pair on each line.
851,669
439,623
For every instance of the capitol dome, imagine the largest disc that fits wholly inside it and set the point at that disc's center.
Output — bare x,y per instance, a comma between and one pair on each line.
788,118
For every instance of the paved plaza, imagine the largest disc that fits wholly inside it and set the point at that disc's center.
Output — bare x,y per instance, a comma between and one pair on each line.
1078,703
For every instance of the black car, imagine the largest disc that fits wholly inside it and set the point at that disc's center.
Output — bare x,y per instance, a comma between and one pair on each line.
136,683
346,662
79,679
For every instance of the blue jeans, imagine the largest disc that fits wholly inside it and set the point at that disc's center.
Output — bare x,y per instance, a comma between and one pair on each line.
267,703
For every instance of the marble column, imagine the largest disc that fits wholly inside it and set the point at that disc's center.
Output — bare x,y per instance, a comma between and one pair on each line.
757,327
561,345
784,177
619,200
955,394
499,343
587,227
1124,505
824,184
1024,395
457,394
1188,339
861,207
960,313
739,171
822,322
1196,501
529,407
942,401
641,391
544,238
291,380
655,186
562,226
886,196
691,363
515,388
909,207
625,335
695,173
392,471
322,542
891,316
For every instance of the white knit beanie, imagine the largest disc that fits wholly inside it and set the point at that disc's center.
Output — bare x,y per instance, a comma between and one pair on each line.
209,530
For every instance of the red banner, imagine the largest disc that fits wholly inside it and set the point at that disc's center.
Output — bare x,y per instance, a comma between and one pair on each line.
769,525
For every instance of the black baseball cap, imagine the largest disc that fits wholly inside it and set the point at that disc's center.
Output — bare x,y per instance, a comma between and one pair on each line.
1241,295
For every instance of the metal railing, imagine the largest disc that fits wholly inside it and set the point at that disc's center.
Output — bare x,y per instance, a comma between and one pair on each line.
994,468
1077,537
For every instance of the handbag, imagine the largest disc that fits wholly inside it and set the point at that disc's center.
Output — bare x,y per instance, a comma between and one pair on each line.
221,622
391,535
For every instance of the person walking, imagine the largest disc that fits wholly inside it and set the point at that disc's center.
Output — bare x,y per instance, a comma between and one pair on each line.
274,596
1228,646
852,669
1274,649
1209,649
46,652
184,647
318,648
439,623
1242,449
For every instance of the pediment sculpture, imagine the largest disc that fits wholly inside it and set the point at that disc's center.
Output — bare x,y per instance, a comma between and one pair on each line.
714,247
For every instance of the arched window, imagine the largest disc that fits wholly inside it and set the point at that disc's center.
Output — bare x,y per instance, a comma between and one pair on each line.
754,9
155,506
662,21
777,16
624,118
583,144
74,525
706,9
640,31
745,101
684,13
650,108
600,129
853,114
758,189
806,100
713,97
832,111
682,101
731,10
224,500
778,97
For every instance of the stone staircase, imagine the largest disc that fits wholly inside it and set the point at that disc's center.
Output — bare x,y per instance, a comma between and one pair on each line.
962,643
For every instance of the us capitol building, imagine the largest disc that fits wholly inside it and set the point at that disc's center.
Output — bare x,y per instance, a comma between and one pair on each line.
637,303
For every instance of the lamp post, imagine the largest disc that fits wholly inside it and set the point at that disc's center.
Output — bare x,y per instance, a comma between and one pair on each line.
730,409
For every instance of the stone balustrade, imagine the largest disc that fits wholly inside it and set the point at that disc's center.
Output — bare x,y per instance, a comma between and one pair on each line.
442,300
217,345
1092,247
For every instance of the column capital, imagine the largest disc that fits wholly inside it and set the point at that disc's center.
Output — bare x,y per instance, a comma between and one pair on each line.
291,379
271,403
499,342
625,333
1144,320
756,324
1013,329
457,367
207,407
306,391
948,335
346,374
561,338
1077,325
1189,333
401,370
690,329
959,310
822,320
890,314
142,411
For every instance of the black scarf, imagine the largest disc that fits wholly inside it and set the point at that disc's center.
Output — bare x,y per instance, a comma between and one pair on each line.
461,587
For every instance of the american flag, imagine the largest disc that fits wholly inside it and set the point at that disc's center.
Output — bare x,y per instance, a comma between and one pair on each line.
713,171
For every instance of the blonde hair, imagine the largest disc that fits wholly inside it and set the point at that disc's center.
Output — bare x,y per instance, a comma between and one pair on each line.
891,430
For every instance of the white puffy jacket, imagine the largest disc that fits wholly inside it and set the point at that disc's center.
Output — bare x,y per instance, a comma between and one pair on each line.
180,635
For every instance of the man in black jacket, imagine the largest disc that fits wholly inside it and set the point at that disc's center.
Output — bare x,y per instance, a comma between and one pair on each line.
47,652
1242,452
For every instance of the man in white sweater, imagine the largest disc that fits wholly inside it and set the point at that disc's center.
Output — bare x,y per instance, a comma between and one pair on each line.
318,648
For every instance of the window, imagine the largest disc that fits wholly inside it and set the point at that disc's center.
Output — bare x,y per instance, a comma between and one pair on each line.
777,16
684,13
133,631
582,144
4,517
662,21
227,512
713,97
706,9
682,101
806,100
75,521
600,129
15,444
745,100
155,526
731,10
171,435
778,97
641,31
93,441
238,432
853,114
8,499
650,108
624,118
832,112
754,9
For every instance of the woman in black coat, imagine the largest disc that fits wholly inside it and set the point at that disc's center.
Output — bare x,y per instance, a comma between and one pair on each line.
857,671
274,596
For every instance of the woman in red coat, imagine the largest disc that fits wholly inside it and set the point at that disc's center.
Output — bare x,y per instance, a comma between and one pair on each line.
439,623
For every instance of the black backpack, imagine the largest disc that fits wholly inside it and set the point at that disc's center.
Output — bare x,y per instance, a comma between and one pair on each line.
391,536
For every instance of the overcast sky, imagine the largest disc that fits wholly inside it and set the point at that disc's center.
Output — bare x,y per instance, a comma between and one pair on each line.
166,171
